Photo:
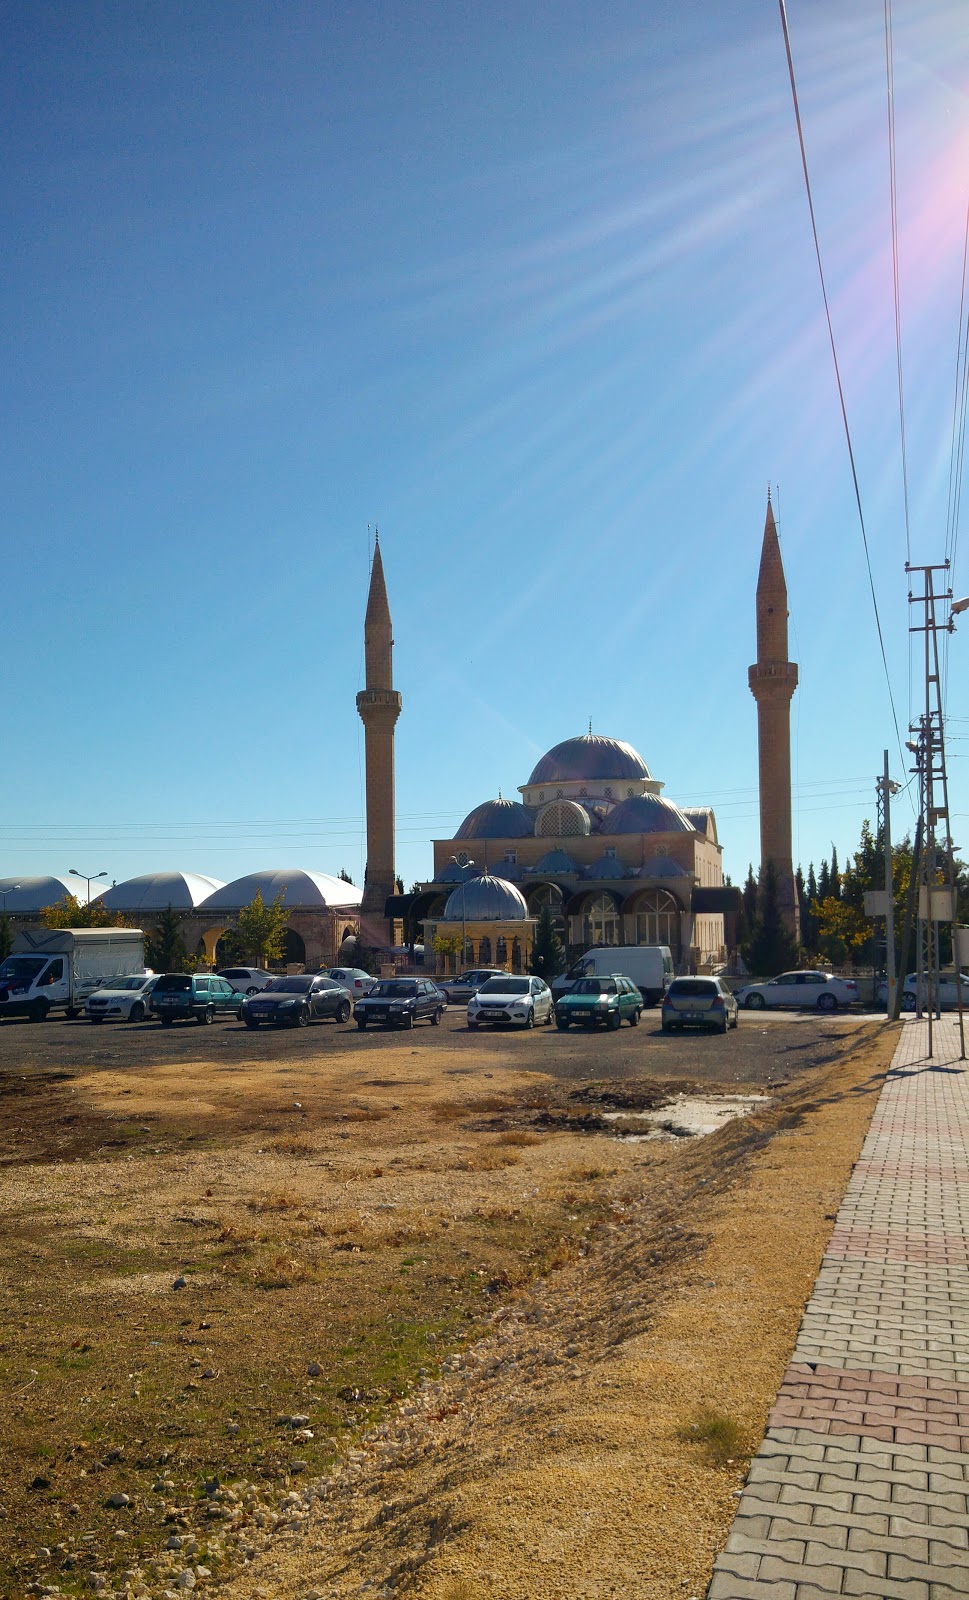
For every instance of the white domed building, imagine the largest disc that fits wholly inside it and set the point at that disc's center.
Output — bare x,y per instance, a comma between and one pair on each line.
321,912
593,838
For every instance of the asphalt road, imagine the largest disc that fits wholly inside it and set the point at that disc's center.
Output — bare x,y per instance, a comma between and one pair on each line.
766,1047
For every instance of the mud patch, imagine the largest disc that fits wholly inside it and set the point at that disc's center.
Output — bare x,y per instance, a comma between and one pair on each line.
686,1117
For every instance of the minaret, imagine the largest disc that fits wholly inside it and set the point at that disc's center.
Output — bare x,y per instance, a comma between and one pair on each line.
773,680
379,707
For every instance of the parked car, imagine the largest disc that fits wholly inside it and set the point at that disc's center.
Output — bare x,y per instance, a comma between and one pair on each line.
699,1003
593,1000
459,990
128,998
179,995
820,990
297,1001
523,1001
400,1002
914,993
246,980
354,979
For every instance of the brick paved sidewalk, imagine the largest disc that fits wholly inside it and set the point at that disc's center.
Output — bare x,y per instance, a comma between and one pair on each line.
861,1486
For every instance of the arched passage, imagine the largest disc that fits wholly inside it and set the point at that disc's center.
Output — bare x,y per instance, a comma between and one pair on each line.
294,948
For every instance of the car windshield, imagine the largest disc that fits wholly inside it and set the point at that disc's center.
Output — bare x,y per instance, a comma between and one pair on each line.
692,986
505,986
393,991
173,982
22,969
134,982
289,986
594,986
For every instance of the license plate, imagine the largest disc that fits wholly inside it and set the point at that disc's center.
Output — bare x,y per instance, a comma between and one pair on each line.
492,1013
694,1016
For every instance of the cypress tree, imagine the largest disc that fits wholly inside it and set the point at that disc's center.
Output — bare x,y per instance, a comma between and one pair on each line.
772,947
548,957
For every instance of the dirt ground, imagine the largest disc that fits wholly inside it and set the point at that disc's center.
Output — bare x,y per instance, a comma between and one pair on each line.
339,1313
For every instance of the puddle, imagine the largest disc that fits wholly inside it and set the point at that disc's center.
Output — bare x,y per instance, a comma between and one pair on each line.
689,1116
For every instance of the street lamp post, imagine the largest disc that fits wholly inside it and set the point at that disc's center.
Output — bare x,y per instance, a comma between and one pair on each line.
10,889
88,880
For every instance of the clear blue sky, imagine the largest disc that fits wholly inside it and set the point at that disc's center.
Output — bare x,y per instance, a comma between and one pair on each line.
533,288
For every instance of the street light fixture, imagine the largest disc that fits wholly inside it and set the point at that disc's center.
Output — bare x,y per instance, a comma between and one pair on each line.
10,889
88,880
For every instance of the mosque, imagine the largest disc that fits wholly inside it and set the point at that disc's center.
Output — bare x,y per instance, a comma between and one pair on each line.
593,838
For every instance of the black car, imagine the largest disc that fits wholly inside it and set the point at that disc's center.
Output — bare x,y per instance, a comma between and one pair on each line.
297,1001
400,1002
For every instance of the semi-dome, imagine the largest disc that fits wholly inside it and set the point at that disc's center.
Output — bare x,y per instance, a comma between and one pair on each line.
662,867
647,813
155,891
455,873
590,756
498,819
22,895
608,867
300,890
485,899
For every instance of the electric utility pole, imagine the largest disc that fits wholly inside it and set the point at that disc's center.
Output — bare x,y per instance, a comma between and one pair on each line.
937,884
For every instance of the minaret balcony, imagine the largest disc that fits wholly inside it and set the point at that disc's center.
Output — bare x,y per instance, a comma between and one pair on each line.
777,677
378,701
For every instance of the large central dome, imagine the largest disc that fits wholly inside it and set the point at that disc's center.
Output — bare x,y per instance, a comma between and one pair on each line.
590,756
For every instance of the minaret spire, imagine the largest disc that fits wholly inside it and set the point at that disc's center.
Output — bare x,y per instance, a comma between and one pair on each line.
379,707
773,679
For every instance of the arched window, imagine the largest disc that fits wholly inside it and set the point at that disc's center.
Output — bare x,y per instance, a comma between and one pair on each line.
501,951
484,952
545,894
600,921
516,956
562,819
656,919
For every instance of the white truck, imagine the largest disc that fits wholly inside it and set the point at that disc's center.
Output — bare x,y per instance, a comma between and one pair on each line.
649,965
50,968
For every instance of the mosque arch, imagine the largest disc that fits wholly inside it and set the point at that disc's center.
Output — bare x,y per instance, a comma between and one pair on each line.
653,917
294,948
597,920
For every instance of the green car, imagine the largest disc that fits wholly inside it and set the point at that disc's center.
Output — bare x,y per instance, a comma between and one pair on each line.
202,996
594,1000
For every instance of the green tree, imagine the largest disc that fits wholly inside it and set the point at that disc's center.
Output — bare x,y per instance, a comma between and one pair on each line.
772,948
261,928
165,946
344,875
548,956
6,937
70,913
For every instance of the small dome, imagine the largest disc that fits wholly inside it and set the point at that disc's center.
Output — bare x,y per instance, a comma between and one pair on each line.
455,873
556,861
155,891
511,871
647,813
498,819
608,867
662,867
590,756
22,895
299,889
485,899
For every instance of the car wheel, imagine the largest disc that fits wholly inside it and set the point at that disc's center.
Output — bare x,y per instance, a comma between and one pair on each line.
166,1022
736,1018
71,1013
614,1020
755,1002
251,1022
343,1014
137,1012
302,1017
634,1019
827,1002
723,1026
667,1027
908,1001
471,1025
551,1016
436,1018
562,1023
208,1016
38,1011
252,989
95,1019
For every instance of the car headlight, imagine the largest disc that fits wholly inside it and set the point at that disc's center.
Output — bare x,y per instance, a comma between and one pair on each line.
284,1003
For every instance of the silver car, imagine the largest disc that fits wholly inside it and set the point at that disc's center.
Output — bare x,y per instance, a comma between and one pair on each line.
699,1003
127,998
914,993
460,990
821,991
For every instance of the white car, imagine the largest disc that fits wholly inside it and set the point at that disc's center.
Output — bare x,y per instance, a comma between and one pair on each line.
523,1001
913,993
354,980
246,980
819,990
128,998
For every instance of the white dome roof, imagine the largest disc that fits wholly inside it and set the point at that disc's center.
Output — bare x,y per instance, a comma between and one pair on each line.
23,894
299,890
155,891
485,899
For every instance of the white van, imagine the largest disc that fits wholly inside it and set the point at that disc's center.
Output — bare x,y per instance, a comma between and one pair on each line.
649,965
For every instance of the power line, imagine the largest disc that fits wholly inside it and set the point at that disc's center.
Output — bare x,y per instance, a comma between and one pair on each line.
837,371
890,85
